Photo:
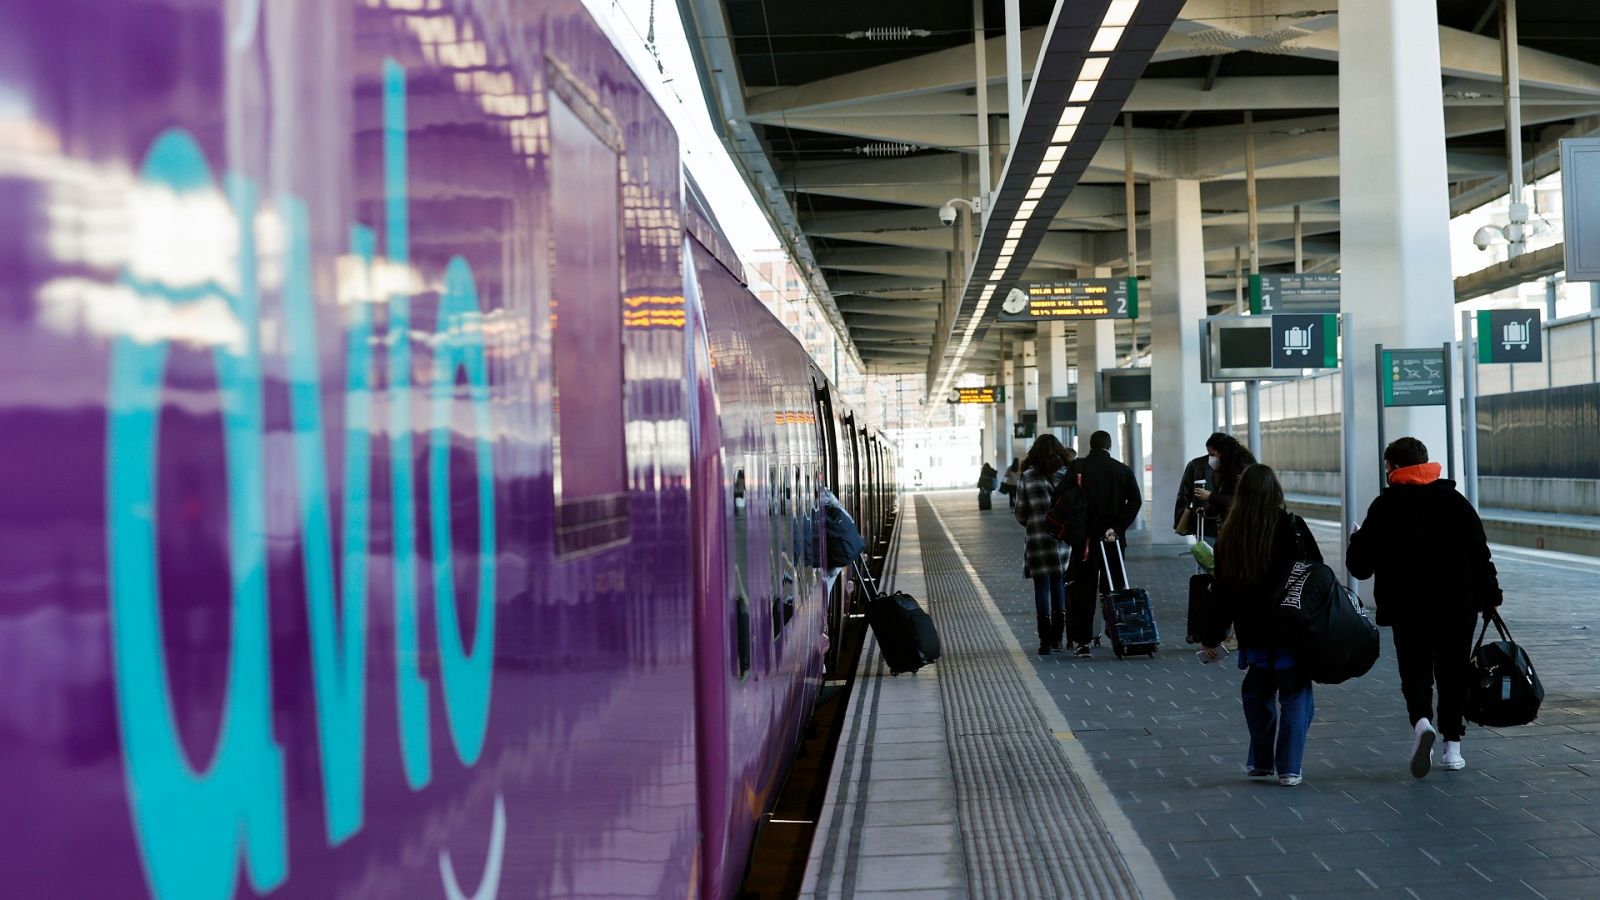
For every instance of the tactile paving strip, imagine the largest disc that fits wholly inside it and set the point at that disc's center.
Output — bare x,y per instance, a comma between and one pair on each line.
1028,826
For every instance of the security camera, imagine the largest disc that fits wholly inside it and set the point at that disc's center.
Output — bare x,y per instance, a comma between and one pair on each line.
947,214
1484,237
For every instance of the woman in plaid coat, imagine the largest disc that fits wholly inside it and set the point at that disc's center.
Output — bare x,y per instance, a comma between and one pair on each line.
1046,559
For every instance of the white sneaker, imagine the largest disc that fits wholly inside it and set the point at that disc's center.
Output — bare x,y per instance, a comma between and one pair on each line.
1422,748
1289,780
1452,760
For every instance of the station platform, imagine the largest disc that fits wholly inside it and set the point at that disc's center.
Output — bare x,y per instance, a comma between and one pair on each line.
997,773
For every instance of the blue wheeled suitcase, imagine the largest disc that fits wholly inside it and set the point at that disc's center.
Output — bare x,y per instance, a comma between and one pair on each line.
1130,621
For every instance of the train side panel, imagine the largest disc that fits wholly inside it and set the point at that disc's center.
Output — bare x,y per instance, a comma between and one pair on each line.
327,566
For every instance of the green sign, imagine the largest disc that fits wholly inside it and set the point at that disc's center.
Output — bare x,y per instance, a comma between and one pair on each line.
1414,377
1510,336
1305,342
1133,297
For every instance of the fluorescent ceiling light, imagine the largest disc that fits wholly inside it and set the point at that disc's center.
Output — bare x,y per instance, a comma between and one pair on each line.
1093,68
1083,91
1027,208
1003,261
1034,193
1063,134
1008,247
1049,166
1016,229
1071,115
1054,154
1120,12
1040,183
1106,39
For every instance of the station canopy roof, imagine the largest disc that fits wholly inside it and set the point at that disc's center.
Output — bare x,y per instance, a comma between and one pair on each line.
854,122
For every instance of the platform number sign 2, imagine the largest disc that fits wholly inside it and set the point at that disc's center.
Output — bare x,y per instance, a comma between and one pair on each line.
1510,336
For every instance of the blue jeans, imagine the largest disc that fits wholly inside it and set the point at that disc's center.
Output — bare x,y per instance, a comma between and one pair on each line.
1049,596
1277,740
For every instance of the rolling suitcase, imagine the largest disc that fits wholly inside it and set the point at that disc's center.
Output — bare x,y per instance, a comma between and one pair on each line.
1199,594
905,632
1130,622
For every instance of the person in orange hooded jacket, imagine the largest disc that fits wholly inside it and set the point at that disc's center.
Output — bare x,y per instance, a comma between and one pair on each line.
1425,546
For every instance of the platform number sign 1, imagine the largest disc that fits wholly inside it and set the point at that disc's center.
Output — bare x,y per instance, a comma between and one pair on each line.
1510,336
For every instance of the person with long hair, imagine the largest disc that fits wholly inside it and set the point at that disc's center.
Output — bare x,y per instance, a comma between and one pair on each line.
1256,551
1045,559
1227,460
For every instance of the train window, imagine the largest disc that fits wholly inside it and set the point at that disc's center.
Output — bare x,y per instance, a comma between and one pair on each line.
586,328
741,564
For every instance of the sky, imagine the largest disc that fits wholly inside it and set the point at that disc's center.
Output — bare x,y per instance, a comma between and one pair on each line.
676,86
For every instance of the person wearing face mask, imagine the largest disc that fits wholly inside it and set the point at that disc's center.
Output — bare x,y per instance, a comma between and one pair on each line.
1420,520
1227,459
1197,474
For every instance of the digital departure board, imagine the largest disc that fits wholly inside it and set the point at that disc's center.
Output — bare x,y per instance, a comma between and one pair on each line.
985,394
1082,298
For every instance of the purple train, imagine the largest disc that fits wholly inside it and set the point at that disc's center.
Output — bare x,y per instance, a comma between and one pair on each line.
403,495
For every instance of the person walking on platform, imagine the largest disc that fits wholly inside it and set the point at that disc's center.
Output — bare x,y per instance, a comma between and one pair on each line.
1008,484
1424,546
1227,460
1259,545
1046,559
1197,474
986,480
1114,501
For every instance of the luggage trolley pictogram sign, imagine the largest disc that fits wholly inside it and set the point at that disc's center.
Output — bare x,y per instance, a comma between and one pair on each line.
1301,341
1298,340
1510,336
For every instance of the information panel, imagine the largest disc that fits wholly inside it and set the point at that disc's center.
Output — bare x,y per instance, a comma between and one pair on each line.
1124,389
1414,377
986,394
1061,412
1083,298
1297,293
1580,207
1510,336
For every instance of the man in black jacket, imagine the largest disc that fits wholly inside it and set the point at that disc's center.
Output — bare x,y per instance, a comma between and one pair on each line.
1114,500
1425,544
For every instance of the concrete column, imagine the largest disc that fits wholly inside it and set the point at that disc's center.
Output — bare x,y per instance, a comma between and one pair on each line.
1097,349
1182,413
1017,394
1394,215
1004,416
1051,346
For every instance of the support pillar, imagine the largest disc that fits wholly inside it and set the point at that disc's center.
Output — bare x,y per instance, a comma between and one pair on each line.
1394,216
1017,393
1097,349
1182,403
1051,347
1004,416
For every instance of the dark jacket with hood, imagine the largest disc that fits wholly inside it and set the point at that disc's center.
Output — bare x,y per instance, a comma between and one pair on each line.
1251,608
1114,497
1196,470
1425,544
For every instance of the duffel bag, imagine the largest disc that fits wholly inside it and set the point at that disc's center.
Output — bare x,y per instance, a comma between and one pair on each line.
1503,689
1326,625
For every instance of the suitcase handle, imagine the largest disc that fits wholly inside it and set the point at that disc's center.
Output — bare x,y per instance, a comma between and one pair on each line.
1121,563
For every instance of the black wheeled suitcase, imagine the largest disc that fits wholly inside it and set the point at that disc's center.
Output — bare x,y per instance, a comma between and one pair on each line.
1199,595
904,630
1130,621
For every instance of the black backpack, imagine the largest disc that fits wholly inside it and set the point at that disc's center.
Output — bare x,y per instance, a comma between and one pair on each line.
1068,518
1325,625
844,539
1504,690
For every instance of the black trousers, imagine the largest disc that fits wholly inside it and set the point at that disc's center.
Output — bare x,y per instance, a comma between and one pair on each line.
1436,653
1088,580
